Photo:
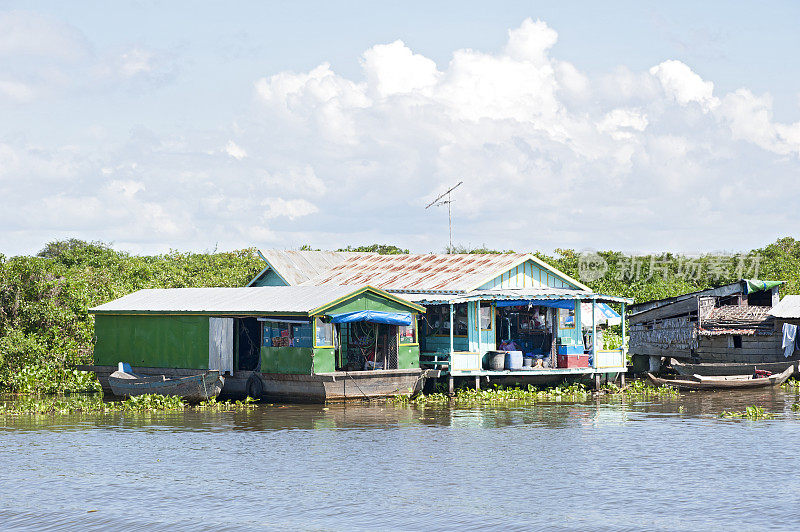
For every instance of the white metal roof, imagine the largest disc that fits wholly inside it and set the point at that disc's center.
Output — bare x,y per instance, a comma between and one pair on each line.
296,267
248,300
787,308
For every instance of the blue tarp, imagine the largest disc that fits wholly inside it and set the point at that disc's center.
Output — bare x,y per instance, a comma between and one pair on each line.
373,316
552,303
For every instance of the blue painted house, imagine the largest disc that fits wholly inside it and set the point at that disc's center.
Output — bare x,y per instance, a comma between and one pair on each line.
475,304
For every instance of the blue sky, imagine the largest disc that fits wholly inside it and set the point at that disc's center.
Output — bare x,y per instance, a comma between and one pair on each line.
186,125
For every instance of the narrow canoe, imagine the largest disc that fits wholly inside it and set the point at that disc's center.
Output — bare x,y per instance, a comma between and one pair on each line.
711,369
698,382
199,387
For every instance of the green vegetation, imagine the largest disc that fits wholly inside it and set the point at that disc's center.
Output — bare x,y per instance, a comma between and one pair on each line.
45,328
751,412
380,249
93,403
638,390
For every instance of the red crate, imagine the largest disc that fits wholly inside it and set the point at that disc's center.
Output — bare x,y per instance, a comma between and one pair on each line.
573,361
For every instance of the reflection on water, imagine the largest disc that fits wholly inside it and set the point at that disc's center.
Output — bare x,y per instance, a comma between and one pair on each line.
604,464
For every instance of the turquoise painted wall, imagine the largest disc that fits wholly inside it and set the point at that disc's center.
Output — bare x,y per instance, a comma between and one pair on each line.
527,275
441,344
576,333
269,278
487,337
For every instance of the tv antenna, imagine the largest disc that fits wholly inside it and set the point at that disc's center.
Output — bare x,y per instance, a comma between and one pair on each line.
438,202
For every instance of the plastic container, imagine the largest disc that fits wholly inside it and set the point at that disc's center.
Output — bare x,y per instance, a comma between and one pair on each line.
527,362
573,361
496,360
513,360
570,350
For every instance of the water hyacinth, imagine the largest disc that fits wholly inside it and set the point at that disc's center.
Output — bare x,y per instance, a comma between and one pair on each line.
93,403
751,412
637,390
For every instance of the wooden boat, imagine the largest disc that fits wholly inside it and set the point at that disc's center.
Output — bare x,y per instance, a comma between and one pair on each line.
711,369
199,387
700,382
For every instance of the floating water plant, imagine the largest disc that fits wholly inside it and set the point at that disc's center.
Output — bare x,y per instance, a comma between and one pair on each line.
93,403
751,412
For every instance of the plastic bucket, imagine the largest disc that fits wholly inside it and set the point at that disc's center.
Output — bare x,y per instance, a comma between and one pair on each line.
496,360
513,360
527,362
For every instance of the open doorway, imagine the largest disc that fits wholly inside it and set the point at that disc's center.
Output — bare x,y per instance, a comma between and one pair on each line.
368,346
248,344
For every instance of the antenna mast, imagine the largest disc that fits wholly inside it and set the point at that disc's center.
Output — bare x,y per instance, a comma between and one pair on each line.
438,202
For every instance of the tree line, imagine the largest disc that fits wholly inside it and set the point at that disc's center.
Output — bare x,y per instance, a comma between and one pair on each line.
44,323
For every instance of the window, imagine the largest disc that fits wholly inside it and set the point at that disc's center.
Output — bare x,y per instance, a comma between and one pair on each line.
737,341
486,316
324,333
408,333
437,320
286,334
566,318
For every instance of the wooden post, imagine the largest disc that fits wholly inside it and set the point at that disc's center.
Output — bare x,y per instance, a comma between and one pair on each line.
478,309
622,323
450,384
477,382
621,379
451,331
594,335
597,381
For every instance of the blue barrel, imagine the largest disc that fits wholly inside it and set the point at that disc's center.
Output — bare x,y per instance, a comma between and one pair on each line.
513,360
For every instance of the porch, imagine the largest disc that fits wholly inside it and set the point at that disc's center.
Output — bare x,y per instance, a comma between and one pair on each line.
541,327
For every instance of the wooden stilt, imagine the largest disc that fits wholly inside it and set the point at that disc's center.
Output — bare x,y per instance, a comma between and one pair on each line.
450,384
477,382
621,380
596,381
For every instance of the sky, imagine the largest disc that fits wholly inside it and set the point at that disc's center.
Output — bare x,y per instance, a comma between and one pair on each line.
633,126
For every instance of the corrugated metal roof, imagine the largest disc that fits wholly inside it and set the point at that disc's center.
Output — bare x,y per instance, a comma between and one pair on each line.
248,300
787,308
419,273
297,267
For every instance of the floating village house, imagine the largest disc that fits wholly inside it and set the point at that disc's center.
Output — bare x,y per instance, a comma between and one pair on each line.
729,324
279,341
474,304
315,325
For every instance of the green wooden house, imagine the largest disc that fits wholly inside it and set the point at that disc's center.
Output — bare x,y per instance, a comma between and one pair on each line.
303,342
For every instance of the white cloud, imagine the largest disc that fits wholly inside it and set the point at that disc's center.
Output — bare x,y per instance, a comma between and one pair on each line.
684,85
235,151
395,69
550,157
292,209
41,56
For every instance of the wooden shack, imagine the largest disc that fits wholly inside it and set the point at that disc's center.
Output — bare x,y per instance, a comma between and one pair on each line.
730,323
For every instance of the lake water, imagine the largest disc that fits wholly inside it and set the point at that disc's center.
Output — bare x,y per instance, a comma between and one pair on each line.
599,465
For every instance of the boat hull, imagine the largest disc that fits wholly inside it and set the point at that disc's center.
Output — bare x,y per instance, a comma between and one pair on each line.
192,388
730,382
723,368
